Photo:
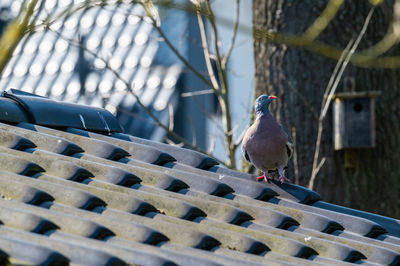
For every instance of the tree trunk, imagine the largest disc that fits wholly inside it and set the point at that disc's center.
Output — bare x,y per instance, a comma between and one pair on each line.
298,78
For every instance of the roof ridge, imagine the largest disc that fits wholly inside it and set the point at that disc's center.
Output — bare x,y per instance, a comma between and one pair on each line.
43,111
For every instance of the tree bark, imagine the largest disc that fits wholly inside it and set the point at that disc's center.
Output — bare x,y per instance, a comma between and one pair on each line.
298,78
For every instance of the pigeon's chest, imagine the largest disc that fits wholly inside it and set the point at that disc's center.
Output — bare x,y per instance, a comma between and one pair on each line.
266,147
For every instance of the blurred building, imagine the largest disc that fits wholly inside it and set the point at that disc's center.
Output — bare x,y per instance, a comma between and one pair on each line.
77,60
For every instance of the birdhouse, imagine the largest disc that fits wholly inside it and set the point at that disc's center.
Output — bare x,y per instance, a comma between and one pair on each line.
354,119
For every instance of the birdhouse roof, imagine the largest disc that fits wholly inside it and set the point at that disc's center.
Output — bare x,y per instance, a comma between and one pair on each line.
357,94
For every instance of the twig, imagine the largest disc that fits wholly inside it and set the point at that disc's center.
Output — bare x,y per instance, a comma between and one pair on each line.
171,117
169,141
320,164
347,60
184,61
369,58
348,54
335,74
206,113
224,98
221,89
295,158
225,59
196,93
139,102
322,21
220,66
213,141
14,32
206,53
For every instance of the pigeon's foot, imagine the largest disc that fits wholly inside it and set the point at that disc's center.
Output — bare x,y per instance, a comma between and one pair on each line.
283,178
265,177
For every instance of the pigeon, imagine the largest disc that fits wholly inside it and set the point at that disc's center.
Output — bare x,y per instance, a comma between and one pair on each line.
266,144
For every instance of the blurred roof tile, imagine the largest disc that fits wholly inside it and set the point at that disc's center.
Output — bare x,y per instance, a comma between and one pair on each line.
61,62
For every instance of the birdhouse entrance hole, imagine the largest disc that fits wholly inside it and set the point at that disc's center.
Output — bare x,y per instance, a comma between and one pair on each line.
358,107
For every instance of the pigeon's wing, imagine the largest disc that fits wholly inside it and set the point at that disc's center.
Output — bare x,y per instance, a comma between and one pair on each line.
245,154
289,143
245,142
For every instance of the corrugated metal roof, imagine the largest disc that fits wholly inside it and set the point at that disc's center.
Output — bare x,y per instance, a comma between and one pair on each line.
66,62
68,195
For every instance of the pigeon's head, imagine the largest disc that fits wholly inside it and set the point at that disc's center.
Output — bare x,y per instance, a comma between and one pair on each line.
262,104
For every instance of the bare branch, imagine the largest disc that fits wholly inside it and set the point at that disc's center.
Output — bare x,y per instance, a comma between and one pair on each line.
196,93
390,39
359,59
368,58
224,97
316,170
211,147
324,108
206,53
295,157
346,61
204,111
169,141
235,31
334,75
151,11
171,117
15,32
322,21
139,102
220,66
180,56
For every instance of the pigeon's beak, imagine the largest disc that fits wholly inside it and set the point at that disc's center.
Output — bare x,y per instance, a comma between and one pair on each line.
272,97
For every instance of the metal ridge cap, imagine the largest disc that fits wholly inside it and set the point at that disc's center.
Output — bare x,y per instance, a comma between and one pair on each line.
47,112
